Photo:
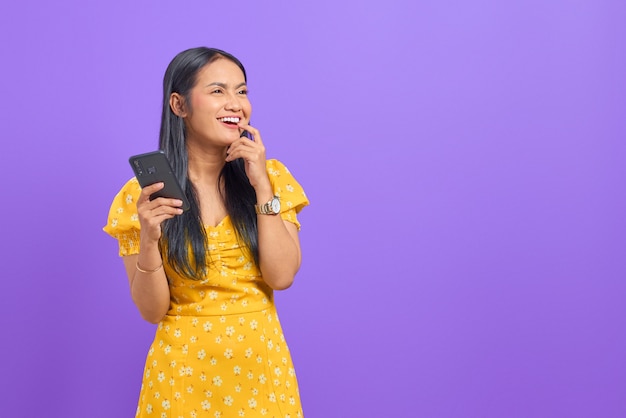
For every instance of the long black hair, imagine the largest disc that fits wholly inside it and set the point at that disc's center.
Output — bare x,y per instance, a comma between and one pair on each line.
187,230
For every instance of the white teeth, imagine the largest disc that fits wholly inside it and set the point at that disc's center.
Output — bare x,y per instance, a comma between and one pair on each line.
232,120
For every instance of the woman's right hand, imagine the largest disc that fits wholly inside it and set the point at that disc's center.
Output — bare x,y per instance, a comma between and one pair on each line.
153,212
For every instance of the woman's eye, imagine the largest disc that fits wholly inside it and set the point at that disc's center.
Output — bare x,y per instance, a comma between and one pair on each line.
243,92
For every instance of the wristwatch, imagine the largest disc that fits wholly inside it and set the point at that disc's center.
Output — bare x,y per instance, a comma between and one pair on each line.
270,208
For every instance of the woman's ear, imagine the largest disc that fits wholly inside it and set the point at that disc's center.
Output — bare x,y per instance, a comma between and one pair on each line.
177,104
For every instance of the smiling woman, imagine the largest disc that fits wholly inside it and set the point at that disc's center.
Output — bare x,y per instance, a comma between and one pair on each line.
218,104
206,276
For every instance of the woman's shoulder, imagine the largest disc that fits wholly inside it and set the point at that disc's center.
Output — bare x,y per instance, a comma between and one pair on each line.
285,186
131,187
127,196
278,172
274,167
123,211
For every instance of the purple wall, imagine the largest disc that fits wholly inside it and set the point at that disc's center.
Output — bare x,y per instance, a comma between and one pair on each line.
464,253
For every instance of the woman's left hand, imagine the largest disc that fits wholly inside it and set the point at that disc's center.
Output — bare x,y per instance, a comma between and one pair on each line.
253,153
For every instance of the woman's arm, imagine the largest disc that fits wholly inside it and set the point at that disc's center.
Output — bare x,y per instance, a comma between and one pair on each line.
148,284
150,291
279,248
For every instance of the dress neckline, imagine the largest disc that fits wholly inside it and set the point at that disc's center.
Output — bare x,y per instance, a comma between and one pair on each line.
219,224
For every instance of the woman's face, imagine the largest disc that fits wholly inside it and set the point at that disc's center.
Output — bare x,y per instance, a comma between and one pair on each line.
217,104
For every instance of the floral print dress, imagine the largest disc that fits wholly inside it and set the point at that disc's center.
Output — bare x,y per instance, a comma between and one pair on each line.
220,350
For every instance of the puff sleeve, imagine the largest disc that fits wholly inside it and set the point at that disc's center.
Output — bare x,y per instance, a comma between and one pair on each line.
286,187
123,220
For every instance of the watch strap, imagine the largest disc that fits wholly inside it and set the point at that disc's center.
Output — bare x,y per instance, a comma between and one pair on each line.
266,208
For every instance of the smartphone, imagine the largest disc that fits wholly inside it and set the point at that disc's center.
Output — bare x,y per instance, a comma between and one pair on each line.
153,167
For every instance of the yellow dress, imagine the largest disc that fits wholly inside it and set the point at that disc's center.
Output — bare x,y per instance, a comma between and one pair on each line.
220,351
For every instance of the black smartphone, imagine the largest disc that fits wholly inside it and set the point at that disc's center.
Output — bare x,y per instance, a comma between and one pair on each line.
153,167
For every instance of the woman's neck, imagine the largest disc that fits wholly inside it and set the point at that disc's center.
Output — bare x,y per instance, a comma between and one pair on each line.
205,164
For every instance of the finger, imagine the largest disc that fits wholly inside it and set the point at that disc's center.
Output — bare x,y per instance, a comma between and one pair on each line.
157,221
238,146
256,135
147,191
159,206
154,217
237,149
166,202
165,210
250,155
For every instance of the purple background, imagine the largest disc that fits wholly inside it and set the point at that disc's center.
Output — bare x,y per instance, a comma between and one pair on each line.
464,253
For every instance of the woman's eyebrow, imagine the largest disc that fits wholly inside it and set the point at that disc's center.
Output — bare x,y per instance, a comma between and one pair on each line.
224,85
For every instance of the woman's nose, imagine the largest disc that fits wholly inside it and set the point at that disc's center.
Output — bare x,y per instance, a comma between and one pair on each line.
233,103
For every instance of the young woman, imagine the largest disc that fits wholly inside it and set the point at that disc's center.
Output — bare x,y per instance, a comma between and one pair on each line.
206,276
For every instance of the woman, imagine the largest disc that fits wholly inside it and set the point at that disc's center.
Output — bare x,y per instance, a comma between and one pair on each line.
206,276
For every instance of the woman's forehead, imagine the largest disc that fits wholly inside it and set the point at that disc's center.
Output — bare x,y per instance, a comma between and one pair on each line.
221,70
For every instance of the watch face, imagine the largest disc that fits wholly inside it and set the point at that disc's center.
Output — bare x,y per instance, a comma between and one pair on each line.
275,205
